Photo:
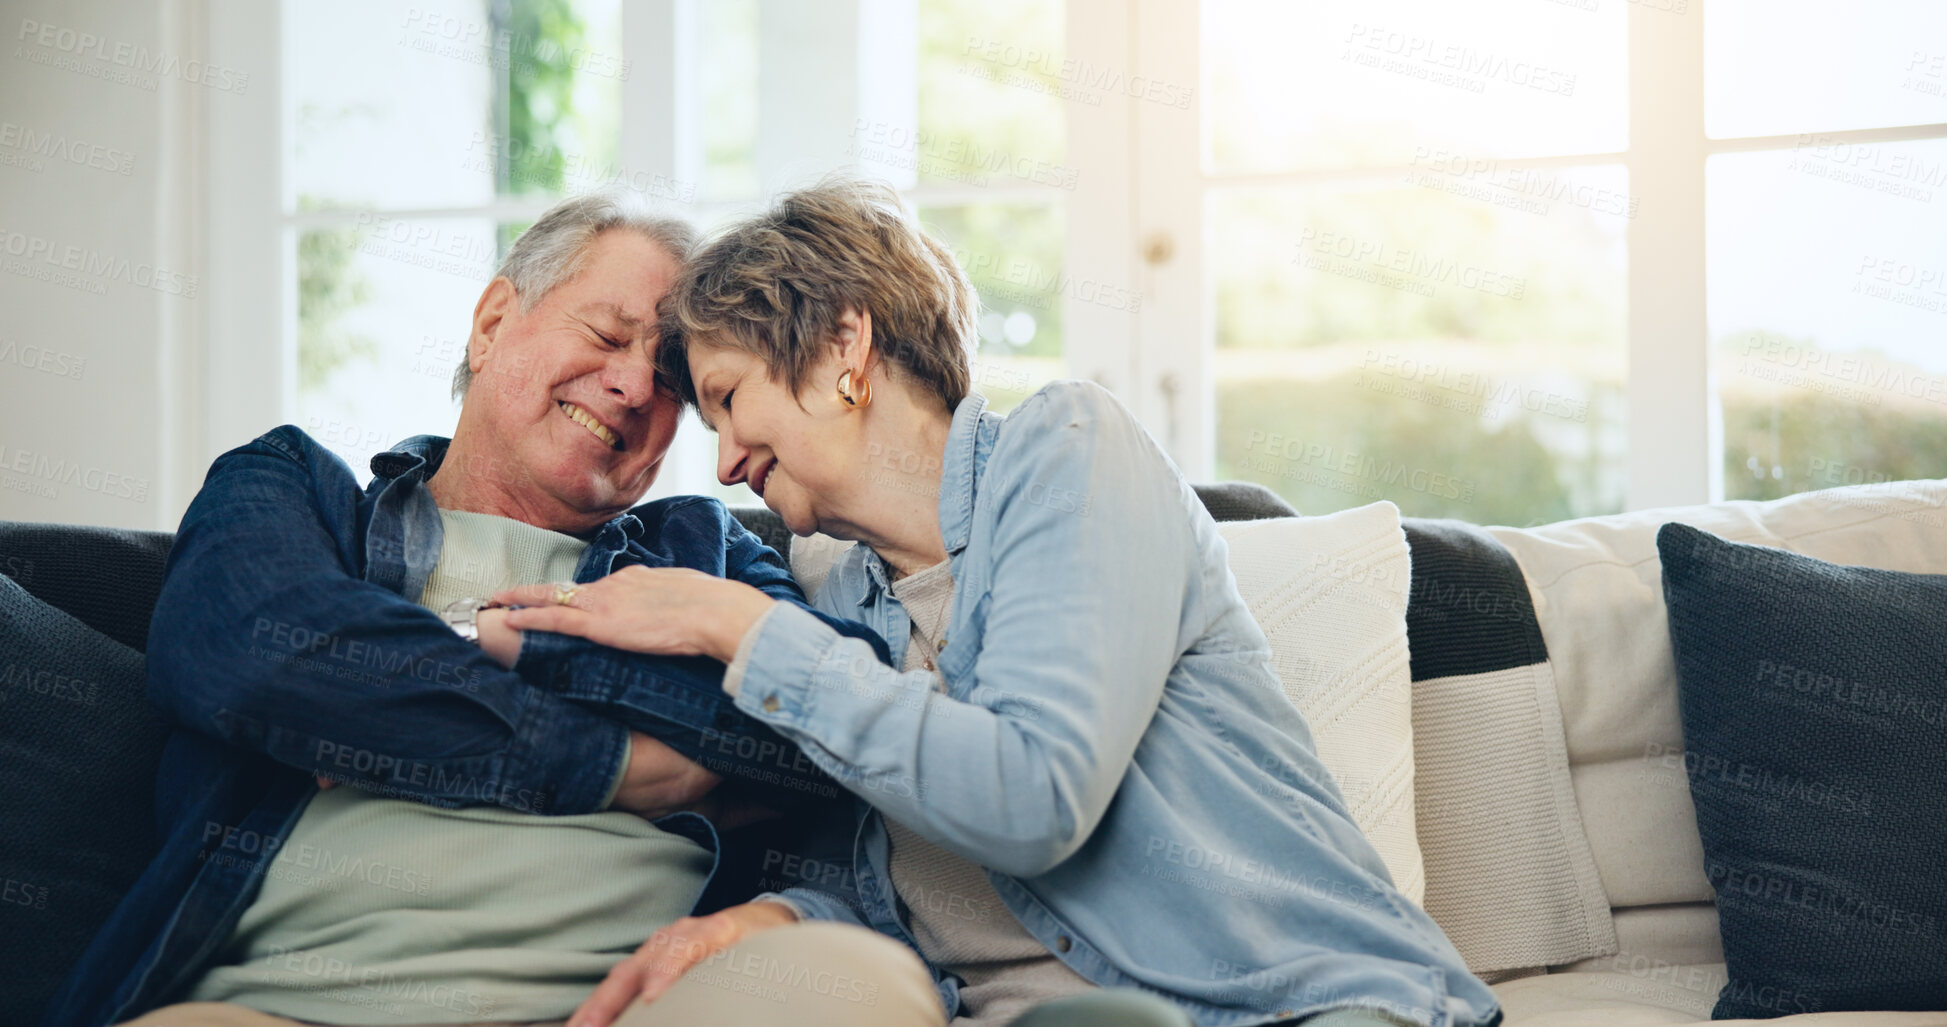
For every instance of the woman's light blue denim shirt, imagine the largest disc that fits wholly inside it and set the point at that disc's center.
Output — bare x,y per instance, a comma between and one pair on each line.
1112,743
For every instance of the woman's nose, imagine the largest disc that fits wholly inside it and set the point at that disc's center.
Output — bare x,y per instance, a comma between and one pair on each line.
733,458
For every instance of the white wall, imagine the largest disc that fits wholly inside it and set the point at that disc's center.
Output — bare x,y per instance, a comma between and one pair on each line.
86,278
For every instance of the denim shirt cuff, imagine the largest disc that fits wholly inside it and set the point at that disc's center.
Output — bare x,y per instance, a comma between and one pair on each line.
540,649
781,674
812,904
733,673
568,754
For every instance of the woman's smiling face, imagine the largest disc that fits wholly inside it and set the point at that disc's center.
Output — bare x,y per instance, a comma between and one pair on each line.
800,454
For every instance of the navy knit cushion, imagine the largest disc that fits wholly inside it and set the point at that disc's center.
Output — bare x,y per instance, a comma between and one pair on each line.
1814,702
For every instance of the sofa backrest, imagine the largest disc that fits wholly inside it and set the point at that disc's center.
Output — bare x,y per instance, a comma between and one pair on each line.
1596,585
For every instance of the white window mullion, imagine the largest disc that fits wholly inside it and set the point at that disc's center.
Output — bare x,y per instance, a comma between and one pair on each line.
1174,335
1675,436
1099,245
250,293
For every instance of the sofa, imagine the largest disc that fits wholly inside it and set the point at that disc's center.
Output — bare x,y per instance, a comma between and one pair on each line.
1553,835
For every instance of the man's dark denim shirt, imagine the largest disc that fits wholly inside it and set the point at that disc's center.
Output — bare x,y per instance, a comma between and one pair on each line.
287,643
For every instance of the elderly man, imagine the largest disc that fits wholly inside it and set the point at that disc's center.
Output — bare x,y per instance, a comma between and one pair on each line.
517,812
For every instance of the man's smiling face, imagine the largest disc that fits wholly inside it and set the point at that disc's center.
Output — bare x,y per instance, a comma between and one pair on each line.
564,420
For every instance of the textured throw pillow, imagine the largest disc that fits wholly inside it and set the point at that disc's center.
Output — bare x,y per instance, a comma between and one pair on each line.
78,750
1330,593
1814,706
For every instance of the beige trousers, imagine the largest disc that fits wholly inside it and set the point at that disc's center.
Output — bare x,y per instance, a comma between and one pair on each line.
803,975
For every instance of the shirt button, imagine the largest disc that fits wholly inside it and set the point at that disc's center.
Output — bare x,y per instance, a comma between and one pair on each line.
1062,943
770,704
940,646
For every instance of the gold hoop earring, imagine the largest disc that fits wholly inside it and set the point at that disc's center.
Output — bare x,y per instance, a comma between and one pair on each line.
845,389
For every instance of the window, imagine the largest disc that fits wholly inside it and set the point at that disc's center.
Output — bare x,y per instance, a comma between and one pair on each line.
1504,260
1419,286
1827,230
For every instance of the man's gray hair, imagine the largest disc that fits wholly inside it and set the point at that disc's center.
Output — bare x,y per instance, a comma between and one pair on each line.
551,251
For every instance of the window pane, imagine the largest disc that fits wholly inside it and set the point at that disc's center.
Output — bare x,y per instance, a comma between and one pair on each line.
384,309
447,104
1457,352
1774,67
1830,323
991,83
1335,83
1012,254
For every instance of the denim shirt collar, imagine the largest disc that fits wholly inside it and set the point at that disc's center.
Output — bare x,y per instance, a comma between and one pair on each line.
403,543
968,441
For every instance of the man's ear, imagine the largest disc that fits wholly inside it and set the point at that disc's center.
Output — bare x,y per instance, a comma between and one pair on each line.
497,301
853,340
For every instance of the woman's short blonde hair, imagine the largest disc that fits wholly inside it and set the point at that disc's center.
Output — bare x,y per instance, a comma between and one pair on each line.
775,286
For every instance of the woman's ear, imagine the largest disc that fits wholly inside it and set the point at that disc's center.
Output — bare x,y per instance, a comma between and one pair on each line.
853,341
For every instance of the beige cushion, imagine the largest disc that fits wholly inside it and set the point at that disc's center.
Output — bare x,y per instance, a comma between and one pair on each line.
1597,588
1330,593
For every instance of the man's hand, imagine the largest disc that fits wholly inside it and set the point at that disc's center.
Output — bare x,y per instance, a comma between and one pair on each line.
659,780
672,951
497,639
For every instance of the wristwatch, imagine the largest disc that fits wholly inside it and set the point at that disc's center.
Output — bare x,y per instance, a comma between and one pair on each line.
463,616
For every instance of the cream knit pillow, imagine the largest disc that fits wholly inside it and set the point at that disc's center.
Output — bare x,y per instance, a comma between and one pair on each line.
1330,593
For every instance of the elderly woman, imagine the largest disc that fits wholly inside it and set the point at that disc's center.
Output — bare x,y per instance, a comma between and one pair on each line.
1085,789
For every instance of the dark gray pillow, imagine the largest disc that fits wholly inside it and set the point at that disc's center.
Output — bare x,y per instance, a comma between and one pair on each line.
1814,703
78,751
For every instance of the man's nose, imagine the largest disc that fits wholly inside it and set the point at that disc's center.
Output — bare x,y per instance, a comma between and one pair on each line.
630,377
733,457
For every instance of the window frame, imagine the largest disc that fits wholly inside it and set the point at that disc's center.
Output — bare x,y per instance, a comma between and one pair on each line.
1140,224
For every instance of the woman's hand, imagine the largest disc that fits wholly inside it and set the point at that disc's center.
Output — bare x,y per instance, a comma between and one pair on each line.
670,611
670,952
